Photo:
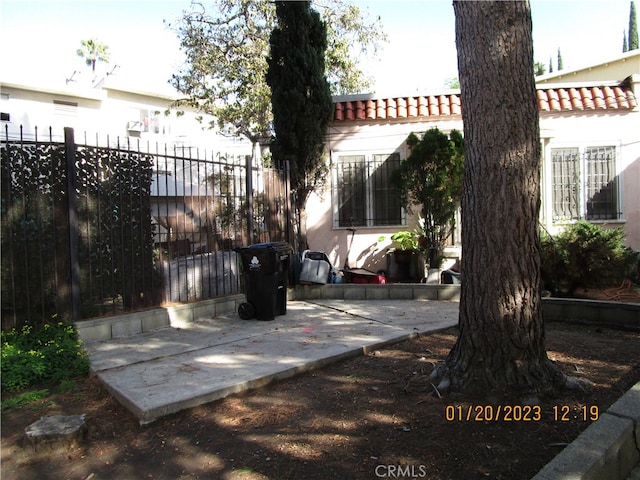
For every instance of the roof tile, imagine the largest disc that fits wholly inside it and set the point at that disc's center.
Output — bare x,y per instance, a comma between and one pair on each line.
609,98
412,110
371,109
576,99
565,103
401,107
543,104
598,98
433,106
423,107
587,98
443,102
455,105
549,100
360,111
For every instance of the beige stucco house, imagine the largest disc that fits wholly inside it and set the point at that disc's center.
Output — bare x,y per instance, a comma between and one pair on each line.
590,137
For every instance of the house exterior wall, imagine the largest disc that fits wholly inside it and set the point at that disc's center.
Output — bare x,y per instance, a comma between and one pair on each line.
364,248
618,128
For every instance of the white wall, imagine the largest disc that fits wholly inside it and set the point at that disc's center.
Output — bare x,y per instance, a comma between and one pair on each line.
108,111
621,130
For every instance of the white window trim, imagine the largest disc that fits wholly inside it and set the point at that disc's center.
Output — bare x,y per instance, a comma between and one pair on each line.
547,179
368,154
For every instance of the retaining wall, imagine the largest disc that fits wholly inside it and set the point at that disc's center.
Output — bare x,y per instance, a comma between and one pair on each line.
134,323
625,315
388,291
615,314
607,450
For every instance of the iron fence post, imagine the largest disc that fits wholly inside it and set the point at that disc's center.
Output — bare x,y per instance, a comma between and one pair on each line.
249,188
73,242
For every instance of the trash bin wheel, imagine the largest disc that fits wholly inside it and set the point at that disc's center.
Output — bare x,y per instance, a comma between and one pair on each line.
246,311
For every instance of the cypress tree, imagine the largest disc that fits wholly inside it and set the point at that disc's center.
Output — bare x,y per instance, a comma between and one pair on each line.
300,99
625,48
550,65
560,65
633,27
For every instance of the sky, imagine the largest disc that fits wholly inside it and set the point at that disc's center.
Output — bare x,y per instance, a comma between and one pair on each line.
40,39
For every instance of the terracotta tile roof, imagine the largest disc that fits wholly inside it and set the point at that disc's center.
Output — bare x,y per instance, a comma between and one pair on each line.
550,99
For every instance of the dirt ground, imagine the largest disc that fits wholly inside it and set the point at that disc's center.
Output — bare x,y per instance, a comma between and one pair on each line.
365,418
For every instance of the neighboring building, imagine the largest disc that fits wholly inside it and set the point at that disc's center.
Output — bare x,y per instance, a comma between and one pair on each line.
614,69
113,110
590,135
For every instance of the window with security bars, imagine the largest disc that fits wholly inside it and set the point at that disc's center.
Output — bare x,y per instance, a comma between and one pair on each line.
362,191
585,183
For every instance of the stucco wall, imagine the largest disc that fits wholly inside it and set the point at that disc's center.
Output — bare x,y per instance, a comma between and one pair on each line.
596,129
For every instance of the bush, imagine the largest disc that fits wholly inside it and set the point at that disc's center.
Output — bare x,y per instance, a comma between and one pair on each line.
588,256
53,353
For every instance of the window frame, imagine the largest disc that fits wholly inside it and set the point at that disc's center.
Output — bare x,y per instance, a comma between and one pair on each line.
369,164
584,184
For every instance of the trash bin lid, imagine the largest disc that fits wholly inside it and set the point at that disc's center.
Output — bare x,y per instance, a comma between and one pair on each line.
270,245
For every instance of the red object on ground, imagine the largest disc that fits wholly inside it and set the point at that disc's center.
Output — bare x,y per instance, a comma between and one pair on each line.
362,276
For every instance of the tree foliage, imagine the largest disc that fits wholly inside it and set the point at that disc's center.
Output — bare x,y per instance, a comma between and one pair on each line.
633,27
227,44
301,99
431,178
587,255
93,52
560,63
539,68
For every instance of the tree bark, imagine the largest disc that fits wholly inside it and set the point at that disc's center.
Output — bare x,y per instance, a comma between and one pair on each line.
302,241
501,343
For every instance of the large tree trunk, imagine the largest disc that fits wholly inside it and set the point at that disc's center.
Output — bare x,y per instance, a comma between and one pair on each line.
501,343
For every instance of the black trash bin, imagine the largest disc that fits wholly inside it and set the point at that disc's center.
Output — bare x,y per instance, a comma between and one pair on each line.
265,268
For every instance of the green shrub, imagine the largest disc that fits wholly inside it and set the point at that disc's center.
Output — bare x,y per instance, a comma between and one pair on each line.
53,353
588,256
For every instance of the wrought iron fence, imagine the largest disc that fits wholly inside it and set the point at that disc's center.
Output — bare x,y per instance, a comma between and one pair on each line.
89,230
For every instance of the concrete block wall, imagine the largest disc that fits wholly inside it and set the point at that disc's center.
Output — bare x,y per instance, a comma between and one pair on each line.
608,449
389,291
554,309
617,314
178,316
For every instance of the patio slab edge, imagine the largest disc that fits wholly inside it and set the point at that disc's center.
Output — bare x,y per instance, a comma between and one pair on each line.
150,415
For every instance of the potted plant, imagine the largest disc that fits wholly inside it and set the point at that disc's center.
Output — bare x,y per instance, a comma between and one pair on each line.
431,178
406,243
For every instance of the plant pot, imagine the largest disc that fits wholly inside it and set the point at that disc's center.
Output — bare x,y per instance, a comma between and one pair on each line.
403,259
403,256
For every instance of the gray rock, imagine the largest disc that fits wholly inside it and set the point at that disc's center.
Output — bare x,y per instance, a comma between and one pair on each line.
56,430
